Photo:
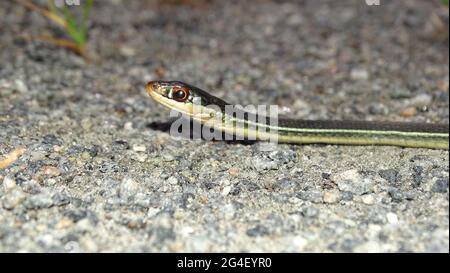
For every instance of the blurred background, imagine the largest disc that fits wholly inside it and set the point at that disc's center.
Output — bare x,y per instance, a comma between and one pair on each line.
295,53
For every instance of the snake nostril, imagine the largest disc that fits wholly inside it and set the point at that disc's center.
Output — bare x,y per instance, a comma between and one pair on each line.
152,85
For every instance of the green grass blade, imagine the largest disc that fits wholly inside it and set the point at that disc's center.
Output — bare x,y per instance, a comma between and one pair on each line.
72,28
86,13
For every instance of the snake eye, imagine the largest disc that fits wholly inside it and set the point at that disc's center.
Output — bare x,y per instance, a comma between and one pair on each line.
180,94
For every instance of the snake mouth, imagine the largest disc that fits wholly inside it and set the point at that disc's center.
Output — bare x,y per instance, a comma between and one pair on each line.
152,87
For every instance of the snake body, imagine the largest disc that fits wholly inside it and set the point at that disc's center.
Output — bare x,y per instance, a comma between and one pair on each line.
211,111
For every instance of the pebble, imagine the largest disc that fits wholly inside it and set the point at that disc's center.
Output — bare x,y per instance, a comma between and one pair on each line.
258,231
128,188
8,183
392,218
400,94
139,148
359,74
310,212
152,212
273,160
373,231
172,180
163,234
233,171
391,175
167,157
127,51
236,190
128,126
51,139
331,196
346,196
417,175
285,184
352,181
13,198
46,240
368,199
250,186
229,211
369,247
312,196
141,157
39,201
20,86
86,124
262,164
303,107
440,186
408,112
60,199
51,171
421,100
84,225
226,190
378,109
299,243
395,194
64,223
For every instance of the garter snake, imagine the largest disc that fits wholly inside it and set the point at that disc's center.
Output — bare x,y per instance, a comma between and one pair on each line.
211,111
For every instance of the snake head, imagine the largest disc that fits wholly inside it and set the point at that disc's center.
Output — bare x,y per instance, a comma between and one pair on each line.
174,94
186,99
170,90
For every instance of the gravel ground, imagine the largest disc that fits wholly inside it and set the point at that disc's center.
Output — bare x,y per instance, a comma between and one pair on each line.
99,174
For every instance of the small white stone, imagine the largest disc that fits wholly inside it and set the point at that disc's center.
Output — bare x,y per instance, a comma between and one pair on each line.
226,190
152,212
373,231
46,239
370,247
421,100
299,243
8,183
172,180
224,182
127,51
331,197
139,148
368,199
352,181
89,245
83,225
128,126
21,86
186,230
86,124
141,157
228,211
359,74
128,188
392,218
